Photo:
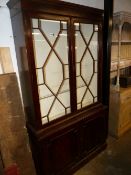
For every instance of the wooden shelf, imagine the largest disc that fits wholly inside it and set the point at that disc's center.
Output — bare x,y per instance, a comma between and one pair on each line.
122,42
123,64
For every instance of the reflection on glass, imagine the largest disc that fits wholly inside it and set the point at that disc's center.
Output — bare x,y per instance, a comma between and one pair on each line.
80,46
87,67
78,69
93,45
86,47
41,48
35,23
44,120
53,73
57,110
65,98
52,67
44,92
51,29
61,47
40,78
45,105
93,85
96,66
88,99
66,71
87,31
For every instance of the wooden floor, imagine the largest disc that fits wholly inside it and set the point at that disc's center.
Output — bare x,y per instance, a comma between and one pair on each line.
115,160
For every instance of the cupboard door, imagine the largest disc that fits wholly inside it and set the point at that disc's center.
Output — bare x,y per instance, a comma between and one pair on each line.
86,59
51,47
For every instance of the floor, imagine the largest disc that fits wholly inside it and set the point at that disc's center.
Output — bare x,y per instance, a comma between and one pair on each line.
115,160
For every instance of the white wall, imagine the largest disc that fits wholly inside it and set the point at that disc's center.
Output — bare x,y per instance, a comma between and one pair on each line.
91,3
6,36
122,5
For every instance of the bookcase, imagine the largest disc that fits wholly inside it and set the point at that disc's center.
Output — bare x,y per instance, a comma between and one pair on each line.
59,49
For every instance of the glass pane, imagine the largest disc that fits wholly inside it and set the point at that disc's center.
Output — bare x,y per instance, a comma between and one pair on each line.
96,66
80,46
44,120
87,67
56,111
81,88
64,25
65,98
66,70
68,110
93,85
78,69
88,99
78,106
86,41
87,31
44,92
35,23
51,57
51,29
40,79
45,105
62,47
94,45
96,28
96,99
41,48
53,73
76,26
80,93
80,82
65,86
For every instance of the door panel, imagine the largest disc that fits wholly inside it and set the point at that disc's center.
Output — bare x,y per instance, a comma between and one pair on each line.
86,59
51,47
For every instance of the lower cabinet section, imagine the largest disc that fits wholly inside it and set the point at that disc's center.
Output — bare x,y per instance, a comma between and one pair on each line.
62,151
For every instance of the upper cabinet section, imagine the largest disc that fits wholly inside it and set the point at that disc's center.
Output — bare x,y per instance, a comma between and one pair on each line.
58,7
64,53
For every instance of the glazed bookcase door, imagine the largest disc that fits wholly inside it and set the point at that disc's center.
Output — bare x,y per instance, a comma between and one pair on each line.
86,60
67,79
51,48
